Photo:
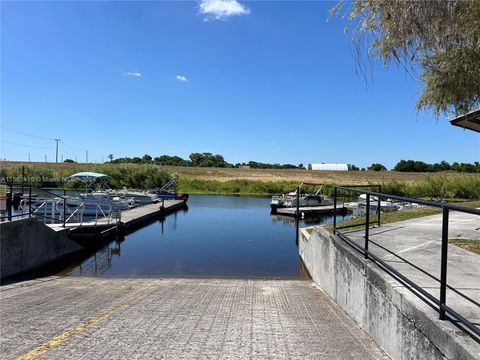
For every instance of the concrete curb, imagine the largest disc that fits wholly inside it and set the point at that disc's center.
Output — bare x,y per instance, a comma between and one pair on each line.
403,325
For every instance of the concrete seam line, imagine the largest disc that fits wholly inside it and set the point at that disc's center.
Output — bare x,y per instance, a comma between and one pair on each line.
409,249
60,339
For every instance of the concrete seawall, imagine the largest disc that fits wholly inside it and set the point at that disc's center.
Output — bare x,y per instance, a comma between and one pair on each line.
26,244
404,326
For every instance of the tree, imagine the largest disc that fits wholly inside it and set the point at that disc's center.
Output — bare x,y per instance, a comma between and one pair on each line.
196,158
377,167
146,158
412,166
441,38
110,157
68,161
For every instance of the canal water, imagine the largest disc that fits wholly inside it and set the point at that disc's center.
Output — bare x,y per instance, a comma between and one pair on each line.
218,236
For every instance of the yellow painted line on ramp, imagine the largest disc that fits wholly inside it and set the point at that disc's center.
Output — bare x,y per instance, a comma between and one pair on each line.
60,339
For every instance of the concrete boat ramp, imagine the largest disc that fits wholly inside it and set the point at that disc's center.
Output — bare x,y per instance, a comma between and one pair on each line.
94,318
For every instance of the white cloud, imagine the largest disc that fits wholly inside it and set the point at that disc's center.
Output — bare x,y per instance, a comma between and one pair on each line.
222,9
133,73
181,78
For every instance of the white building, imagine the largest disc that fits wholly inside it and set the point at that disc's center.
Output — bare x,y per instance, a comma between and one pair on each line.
330,167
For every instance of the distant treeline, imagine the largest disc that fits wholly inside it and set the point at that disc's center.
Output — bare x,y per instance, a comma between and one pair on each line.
198,160
217,160
259,165
420,166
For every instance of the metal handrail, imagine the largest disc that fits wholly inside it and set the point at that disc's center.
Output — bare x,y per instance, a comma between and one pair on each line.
98,207
438,304
82,207
415,201
99,211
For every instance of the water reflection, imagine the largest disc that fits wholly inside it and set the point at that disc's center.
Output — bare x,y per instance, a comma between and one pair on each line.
96,264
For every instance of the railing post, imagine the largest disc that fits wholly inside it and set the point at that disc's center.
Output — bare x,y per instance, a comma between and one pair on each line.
10,203
367,226
443,269
64,207
297,230
30,201
379,205
298,201
334,210
23,178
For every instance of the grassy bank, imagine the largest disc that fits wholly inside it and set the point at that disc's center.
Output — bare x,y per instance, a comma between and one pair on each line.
461,187
470,245
236,187
252,181
396,216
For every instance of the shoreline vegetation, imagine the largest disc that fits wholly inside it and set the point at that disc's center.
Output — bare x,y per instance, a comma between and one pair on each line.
393,217
250,182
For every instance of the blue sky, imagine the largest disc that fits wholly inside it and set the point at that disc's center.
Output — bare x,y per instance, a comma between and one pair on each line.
266,81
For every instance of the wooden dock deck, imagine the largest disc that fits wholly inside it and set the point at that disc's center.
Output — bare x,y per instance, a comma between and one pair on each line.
105,228
129,218
136,216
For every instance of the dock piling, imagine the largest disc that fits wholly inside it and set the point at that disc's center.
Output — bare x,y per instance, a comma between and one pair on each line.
298,201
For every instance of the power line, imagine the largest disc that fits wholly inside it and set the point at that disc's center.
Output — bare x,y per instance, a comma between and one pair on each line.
27,146
57,141
26,134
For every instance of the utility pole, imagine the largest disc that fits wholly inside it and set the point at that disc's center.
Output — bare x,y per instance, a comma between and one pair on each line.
56,152
62,157
76,158
86,156
28,157
45,157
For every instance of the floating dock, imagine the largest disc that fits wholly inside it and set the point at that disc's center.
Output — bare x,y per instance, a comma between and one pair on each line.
88,233
310,210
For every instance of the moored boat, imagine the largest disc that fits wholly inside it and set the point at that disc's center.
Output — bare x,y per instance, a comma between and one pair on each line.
167,192
291,200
